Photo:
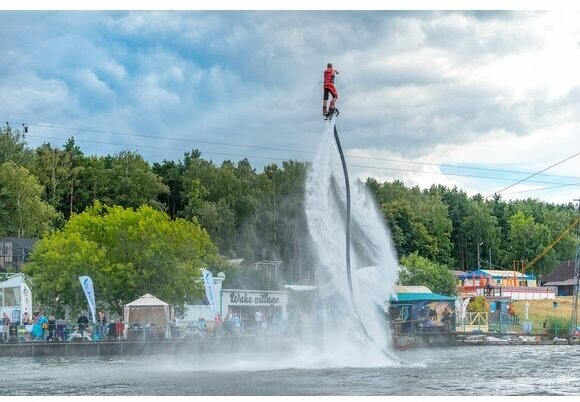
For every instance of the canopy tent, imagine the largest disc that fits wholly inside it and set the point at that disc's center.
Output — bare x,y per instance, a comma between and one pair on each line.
149,309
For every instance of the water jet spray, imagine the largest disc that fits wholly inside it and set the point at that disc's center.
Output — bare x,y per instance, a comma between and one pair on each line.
348,244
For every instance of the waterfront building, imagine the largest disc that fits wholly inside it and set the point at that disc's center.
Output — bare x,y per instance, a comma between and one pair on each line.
416,309
496,283
15,297
14,252
272,306
268,306
562,278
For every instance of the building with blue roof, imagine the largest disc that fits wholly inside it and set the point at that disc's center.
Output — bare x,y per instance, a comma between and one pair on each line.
416,309
511,284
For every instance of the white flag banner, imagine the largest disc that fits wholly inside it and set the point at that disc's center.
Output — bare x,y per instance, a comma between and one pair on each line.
464,308
87,284
209,291
25,300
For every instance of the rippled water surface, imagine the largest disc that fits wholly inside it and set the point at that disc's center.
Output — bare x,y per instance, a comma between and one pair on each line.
493,370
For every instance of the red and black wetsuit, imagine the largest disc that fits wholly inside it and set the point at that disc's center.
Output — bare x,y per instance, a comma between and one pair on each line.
328,85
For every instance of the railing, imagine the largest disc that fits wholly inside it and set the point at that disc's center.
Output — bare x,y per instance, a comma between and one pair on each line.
474,321
420,326
477,318
514,292
480,290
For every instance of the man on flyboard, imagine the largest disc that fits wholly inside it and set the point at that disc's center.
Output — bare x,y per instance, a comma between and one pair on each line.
329,89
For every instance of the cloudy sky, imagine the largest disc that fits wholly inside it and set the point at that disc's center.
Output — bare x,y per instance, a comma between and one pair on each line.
457,98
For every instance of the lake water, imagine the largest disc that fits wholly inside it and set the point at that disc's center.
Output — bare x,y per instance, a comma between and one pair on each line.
491,370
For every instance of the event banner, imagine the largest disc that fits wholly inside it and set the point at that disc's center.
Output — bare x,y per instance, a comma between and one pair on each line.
209,291
87,284
25,300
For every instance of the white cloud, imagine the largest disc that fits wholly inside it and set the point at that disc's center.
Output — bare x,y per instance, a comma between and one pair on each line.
485,89
30,96
93,83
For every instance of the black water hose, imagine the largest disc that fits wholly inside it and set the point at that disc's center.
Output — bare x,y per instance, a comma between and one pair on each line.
348,245
348,242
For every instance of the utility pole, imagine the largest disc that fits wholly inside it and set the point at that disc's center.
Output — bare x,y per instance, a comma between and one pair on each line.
574,317
478,256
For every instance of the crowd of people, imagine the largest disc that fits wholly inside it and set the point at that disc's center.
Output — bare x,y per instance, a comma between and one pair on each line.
42,328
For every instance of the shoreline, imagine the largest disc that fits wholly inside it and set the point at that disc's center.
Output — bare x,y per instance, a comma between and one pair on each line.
231,345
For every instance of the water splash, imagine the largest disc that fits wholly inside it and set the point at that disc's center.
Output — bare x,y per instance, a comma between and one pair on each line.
373,260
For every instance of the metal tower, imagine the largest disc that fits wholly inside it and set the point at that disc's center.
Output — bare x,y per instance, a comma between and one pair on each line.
574,317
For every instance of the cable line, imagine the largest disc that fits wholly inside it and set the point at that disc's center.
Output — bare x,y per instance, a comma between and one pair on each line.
535,174
90,130
303,161
543,188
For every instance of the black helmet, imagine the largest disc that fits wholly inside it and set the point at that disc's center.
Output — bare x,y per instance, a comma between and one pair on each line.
329,65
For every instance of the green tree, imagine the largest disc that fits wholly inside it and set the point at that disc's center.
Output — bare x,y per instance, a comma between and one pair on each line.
458,208
419,271
409,233
527,239
129,253
54,170
419,219
558,220
23,213
131,182
220,222
480,226
13,148
171,174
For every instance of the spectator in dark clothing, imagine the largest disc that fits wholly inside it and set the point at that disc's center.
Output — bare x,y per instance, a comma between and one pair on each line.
26,319
83,323
51,329
112,331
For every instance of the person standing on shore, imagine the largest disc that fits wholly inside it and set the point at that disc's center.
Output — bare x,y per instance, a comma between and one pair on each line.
258,321
51,329
83,323
237,323
43,325
102,320
26,319
5,327
218,325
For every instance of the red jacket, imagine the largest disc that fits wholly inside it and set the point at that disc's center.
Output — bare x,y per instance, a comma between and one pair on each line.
329,77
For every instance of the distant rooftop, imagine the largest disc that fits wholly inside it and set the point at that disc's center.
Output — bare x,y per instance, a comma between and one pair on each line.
417,293
562,272
412,289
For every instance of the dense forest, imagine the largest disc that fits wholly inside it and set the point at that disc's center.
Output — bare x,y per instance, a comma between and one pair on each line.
260,216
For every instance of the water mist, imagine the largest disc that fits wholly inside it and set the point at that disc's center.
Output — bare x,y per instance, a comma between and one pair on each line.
373,263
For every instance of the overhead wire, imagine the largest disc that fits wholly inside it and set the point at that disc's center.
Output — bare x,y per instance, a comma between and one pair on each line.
285,159
450,166
534,174
543,188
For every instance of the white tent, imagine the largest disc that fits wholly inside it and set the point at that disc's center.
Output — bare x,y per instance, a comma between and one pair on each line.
148,309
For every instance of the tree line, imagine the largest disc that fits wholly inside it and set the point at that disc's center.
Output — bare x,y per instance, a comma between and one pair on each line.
260,215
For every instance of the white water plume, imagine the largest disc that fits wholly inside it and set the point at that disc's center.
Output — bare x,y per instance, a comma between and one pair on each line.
373,261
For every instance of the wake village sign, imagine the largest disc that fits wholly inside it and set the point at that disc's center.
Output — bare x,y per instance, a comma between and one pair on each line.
255,299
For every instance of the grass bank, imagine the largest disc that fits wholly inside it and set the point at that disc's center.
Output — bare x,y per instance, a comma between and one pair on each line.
558,318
